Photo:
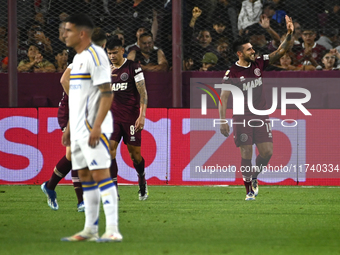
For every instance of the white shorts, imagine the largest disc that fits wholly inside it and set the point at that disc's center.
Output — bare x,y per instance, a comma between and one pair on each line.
83,156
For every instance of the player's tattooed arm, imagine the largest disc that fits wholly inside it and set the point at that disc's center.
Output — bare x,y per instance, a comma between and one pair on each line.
142,92
139,125
285,45
105,90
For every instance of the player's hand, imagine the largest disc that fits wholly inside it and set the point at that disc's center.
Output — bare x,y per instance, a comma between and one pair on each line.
94,138
289,24
196,12
139,125
264,21
65,139
225,129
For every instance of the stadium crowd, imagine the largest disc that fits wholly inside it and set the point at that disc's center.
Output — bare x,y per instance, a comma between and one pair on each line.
209,29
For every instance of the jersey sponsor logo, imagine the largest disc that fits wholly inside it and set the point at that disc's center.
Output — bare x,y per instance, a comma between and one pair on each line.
81,65
124,76
119,86
242,78
132,139
138,70
252,84
257,71
75,86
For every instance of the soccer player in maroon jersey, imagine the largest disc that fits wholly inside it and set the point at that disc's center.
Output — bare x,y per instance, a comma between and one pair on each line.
246,74
128,109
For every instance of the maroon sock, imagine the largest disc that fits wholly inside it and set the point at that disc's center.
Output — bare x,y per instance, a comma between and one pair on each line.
247,173
62,168
260,163
114,170
77,186
140,170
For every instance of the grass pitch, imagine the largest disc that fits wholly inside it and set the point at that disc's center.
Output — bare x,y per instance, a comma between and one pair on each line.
179,220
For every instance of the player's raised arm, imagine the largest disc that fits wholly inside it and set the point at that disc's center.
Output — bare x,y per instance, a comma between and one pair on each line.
222,109
139,125
104,106
285,45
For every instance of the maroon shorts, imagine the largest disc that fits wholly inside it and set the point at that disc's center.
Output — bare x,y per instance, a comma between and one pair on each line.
127,131
256,129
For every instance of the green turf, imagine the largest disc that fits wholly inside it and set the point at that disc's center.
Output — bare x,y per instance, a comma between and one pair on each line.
179,220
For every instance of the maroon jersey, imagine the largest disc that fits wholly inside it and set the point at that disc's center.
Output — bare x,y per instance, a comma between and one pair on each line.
249,77
63,111
125,105
318,51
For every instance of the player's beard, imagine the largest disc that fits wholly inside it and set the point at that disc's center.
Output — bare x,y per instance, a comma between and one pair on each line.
249,59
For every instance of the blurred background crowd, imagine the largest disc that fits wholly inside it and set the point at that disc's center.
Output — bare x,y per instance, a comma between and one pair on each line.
209,28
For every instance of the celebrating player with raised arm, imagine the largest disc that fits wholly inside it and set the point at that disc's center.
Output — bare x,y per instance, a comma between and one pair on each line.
128,108
89,129
246,74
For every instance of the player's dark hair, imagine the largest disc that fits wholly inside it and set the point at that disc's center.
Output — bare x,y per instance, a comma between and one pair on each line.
80,20
148,34
237,45
114,42
98,36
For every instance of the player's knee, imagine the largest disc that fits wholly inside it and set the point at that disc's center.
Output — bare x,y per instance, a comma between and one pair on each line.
136,157
267,153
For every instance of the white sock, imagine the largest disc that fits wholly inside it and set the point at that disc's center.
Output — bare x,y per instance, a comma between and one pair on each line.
92,204
108,192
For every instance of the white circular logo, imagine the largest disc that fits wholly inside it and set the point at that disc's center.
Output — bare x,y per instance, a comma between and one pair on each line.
257,72
314,55
243,138
124,76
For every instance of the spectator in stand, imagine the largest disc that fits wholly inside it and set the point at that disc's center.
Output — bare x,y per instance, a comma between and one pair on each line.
35,35
209,62
311,53
35,62
287,62
188,64
200,45
226,57
297,33
329,60
136,45
3,42
328,38
225,11
250,13
269,11
257,36
4,65
61,59
139,13
333,20
150,59
219,31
